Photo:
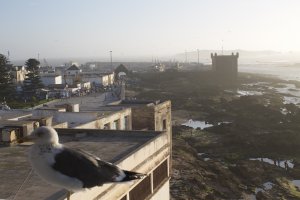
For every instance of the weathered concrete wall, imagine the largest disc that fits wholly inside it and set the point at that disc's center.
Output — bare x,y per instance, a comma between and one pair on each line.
225,66
75,117
143,160
89,125
61,125
119,115
143,118
47,112
163,192
151,117
69,107
163,112
28,129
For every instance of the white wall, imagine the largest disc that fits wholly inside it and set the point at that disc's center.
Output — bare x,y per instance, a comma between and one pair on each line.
93,79
105,81
163,192
51,80
78,117
118,115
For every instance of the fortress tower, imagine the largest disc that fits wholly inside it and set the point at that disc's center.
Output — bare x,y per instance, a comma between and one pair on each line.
225,66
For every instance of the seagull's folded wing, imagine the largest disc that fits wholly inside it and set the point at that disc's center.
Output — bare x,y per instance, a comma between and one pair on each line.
86,167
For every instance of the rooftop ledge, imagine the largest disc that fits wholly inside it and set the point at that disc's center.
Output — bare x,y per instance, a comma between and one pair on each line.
131,150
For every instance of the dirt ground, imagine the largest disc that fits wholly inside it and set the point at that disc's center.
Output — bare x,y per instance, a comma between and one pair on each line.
214,163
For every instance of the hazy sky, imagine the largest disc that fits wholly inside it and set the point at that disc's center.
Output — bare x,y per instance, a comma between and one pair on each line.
133,28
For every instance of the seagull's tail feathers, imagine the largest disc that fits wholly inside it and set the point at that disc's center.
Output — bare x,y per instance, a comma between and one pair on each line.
129,176
113,173
125,176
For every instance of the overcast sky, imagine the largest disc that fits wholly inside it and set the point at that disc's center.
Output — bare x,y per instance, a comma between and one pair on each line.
133,28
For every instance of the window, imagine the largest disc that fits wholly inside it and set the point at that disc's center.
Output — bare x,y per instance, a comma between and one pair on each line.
116,125
126,123
124,198
164,124
142,190
106,126
160,174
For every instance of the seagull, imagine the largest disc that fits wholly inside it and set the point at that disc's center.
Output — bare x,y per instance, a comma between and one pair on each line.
72,169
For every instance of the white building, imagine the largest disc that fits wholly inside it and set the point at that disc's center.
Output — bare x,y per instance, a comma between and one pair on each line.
97,78
140,142
19,74
86,85
51,79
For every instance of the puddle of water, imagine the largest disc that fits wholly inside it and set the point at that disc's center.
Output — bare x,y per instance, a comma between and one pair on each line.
270,161
203,156
296,183
293,100
257,84
284,111
201,124
219,123
284,88
268,185
289,89
197,124
248,93
258,190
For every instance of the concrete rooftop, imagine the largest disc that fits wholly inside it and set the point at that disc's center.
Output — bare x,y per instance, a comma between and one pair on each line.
10,114
109,145
86,103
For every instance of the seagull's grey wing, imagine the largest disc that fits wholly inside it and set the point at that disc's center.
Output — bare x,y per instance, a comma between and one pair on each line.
89,169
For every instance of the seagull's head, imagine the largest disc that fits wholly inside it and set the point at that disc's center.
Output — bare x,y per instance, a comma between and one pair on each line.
45,135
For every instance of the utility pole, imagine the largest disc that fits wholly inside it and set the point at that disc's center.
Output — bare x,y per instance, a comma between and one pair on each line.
222,47
198,56
110,58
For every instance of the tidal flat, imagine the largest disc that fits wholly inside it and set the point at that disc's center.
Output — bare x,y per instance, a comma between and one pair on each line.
264,116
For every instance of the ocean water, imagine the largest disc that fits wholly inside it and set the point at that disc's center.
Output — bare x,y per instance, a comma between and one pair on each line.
283,72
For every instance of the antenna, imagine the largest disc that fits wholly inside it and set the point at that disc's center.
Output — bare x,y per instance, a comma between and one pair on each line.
110,52
222,48
198,56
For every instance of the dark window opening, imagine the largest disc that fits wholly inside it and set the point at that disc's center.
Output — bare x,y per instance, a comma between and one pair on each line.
142,190
126,122
164,124
116,125
124,198
160,174
106,126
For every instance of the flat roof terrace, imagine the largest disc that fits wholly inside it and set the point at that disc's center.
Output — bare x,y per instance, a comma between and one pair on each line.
17,181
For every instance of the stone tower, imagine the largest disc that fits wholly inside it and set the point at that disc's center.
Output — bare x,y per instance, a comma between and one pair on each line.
225,66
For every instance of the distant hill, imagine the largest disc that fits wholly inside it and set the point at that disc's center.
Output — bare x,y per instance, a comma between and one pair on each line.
246,57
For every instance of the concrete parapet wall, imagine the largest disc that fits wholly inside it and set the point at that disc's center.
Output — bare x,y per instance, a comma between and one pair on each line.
144,160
